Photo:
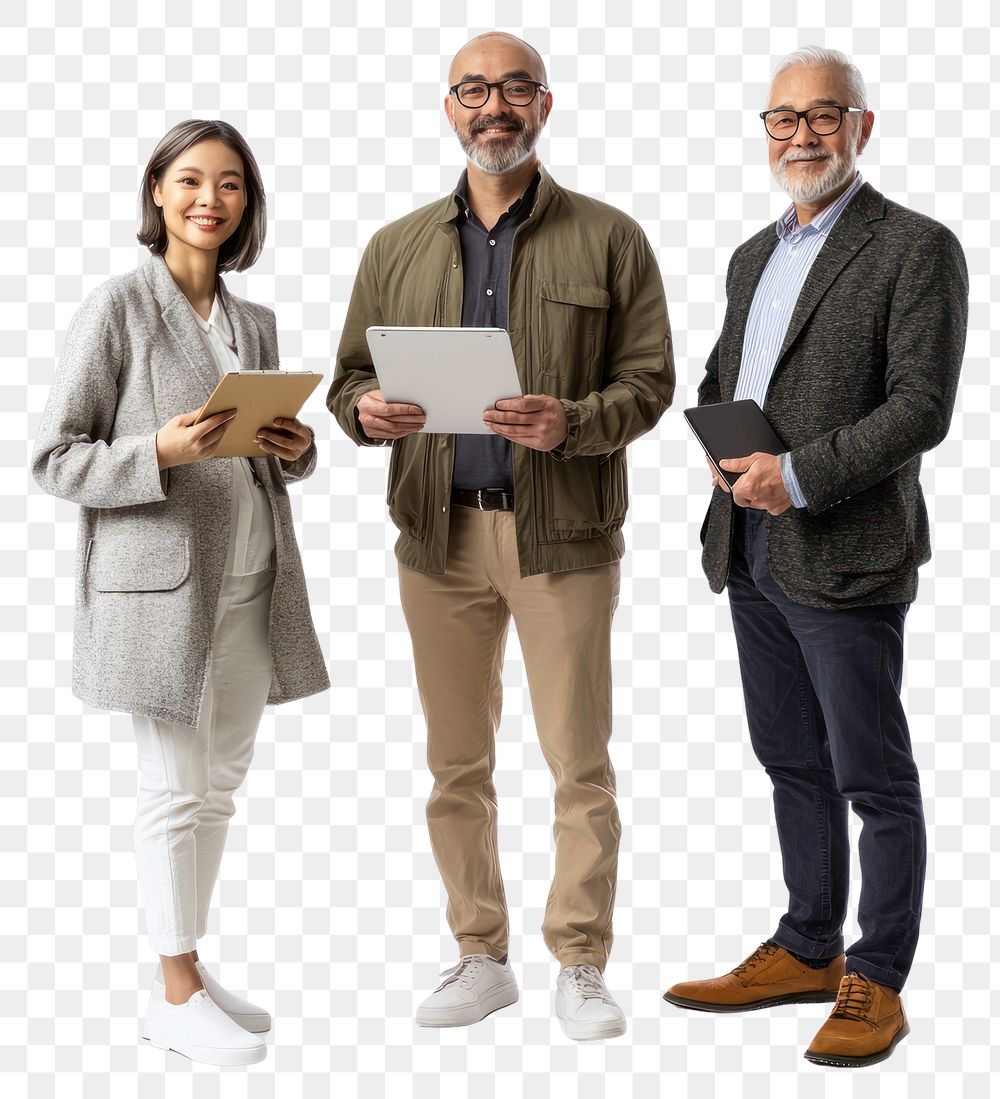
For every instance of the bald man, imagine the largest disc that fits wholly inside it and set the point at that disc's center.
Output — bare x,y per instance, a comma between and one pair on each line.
523,521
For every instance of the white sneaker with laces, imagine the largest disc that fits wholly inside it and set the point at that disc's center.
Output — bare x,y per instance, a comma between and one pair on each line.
473,989
200,1029
584,1006
247,1015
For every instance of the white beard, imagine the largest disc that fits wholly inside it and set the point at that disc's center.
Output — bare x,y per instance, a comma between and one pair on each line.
498,158
838,170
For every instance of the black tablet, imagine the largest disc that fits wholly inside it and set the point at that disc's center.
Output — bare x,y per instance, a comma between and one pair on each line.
732,429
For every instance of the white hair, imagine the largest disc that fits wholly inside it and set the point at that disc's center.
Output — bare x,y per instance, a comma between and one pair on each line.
817,55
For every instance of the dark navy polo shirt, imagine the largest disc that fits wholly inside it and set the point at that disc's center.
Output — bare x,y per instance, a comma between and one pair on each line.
484,461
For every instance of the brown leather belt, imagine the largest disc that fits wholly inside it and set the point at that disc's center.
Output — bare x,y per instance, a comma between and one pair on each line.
484,499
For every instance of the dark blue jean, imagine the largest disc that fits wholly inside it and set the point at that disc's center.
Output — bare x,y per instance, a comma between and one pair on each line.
826,721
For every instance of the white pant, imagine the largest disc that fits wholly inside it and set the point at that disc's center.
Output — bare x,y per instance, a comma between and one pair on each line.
187,777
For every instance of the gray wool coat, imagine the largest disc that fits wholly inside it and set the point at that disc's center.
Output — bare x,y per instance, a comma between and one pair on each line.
152,545
864,384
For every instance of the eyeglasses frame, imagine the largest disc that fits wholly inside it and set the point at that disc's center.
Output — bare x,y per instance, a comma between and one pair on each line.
539,87
801,115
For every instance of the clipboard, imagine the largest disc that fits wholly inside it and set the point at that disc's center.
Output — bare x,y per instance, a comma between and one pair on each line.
453,374
732,429
259,396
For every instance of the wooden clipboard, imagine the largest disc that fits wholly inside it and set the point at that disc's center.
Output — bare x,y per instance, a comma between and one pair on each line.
259,396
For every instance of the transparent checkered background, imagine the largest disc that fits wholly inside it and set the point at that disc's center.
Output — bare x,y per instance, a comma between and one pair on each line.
331,910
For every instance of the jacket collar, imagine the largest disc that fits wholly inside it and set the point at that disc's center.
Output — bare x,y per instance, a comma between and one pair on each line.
548,191
847,236
514,210
244,327
850,233
788,224
177,316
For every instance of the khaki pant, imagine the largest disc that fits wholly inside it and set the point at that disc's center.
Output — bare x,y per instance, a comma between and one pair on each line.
458,625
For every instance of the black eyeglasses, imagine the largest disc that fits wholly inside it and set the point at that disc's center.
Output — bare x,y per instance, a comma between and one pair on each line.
783,124
516,93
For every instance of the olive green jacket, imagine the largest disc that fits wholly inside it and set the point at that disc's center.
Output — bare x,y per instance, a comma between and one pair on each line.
588,324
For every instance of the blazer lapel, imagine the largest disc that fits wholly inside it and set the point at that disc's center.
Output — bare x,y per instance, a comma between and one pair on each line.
759,251
245,330
176,314
847,237
248,339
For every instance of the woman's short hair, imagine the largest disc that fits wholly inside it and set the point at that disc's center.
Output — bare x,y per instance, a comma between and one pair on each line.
241,250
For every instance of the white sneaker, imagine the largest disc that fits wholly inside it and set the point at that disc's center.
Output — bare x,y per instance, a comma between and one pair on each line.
474,988
199,1029
247,1015
584,1006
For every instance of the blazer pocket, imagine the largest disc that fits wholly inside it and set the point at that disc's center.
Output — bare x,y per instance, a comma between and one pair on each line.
119,563
572,323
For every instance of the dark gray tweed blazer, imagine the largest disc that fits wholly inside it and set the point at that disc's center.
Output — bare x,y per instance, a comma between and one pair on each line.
865,383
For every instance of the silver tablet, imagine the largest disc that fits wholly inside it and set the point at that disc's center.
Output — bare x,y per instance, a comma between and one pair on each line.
453,374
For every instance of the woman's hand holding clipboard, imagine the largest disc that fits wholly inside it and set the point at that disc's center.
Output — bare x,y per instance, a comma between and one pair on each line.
261,399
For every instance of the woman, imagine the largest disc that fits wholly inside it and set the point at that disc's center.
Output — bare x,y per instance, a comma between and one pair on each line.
191,605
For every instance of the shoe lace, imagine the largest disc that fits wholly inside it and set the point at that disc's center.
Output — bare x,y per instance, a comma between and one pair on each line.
586,981
463,974
761,954
854,998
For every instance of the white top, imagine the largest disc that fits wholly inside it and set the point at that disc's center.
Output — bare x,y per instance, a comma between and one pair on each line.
251,537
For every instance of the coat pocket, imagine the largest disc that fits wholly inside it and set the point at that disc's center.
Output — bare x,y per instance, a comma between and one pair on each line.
614,486
572,324
120,563
409,484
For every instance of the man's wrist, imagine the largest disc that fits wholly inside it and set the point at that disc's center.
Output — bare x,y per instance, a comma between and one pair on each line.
363,437
790,481
569,446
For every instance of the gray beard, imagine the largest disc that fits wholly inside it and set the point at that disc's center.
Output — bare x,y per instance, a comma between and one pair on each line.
838,170
496,161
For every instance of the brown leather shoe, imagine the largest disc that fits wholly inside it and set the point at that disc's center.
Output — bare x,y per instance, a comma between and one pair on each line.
768,978
864,1027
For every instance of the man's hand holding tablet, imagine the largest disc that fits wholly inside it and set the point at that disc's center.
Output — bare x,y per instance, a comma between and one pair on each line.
534,421
381,420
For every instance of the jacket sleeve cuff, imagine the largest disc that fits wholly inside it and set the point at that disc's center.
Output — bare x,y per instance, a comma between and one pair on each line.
791,482
302,466
569,447
363,439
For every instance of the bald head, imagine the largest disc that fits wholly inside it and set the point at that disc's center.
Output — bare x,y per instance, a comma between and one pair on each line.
494,48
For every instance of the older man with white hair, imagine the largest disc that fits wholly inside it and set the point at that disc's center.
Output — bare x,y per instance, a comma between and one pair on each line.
846,323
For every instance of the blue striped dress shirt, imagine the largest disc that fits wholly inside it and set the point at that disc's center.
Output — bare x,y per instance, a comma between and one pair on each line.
773,302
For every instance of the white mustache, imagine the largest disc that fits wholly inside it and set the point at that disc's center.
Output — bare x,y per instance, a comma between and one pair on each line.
792,158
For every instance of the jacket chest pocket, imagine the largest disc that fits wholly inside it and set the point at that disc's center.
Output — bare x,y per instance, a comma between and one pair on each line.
572,322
